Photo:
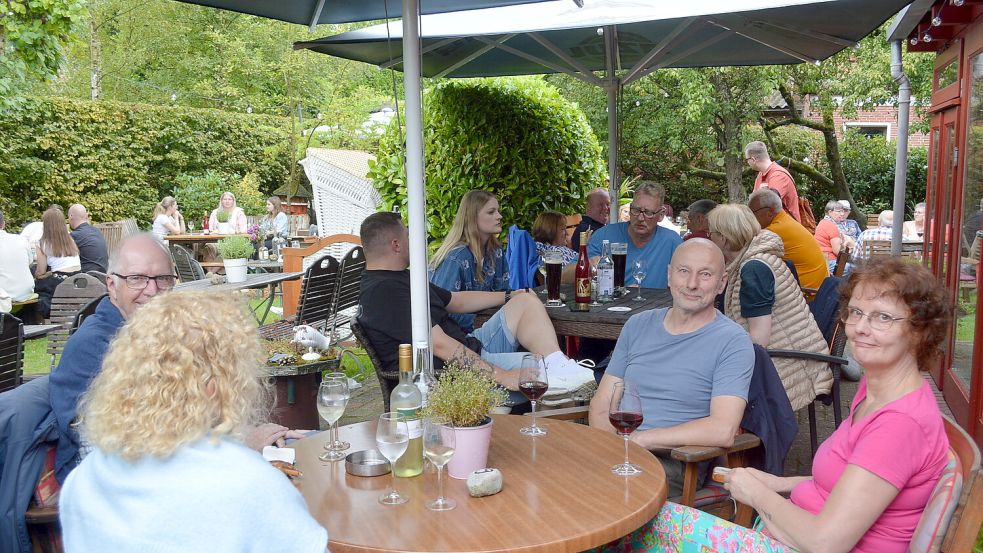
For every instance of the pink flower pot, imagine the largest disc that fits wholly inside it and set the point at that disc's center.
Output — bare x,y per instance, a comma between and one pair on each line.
470,451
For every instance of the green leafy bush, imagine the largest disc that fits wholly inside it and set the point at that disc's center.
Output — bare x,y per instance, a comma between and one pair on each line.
517,138
235,247
119,159
868,164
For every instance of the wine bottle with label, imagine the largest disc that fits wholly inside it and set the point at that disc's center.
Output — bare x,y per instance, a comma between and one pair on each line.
582,274
408,402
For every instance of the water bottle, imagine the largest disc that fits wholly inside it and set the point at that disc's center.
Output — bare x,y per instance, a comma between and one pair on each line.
605,274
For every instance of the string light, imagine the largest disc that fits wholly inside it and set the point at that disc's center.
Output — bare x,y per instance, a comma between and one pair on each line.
936,21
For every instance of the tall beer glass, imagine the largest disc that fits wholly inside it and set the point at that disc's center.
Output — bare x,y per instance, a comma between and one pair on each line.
554,269
619,253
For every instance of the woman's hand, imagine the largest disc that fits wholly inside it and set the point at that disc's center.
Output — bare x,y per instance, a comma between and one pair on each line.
744,485
271,434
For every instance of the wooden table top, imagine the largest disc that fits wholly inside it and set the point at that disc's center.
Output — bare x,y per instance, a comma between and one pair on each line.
558,495
37,331
600,321
253,280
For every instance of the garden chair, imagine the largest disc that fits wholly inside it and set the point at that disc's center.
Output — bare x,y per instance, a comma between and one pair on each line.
70,297
100,275
349,284
825,309
841,262
876,249
343,196
319,289
11,351
387,379
952,517
188,269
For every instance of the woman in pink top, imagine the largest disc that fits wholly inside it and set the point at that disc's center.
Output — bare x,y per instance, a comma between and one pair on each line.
871,478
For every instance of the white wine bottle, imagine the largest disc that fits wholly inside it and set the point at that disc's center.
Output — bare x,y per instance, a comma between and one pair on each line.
408,402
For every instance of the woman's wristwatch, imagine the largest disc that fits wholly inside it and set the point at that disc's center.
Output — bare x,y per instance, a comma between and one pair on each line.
508,295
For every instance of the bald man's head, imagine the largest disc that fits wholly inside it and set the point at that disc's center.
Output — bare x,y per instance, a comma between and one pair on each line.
696,276
138,255
77,215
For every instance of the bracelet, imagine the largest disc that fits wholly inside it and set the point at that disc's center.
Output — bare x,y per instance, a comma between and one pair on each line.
508,295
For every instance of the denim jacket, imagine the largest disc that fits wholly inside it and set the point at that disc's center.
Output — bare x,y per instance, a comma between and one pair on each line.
457,274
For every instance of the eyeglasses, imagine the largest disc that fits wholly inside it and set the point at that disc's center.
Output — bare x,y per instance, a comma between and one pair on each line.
139,282
759,209
645,213
749,159
879,320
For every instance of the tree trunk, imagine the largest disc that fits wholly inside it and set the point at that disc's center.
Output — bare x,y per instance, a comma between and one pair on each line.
729,135
95,57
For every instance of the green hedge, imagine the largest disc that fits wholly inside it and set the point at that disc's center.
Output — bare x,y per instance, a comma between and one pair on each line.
868,164
516,137
120,159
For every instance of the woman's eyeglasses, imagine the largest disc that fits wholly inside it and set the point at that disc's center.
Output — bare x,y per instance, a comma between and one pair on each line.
879,320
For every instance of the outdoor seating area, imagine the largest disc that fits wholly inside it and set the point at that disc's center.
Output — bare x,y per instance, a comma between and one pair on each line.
544,276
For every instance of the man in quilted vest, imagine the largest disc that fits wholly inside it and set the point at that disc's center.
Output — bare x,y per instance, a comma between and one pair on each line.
690,364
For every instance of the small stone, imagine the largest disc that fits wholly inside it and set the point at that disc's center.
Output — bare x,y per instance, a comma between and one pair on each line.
484,482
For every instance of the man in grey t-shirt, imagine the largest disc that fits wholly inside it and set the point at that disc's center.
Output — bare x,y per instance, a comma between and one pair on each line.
692,365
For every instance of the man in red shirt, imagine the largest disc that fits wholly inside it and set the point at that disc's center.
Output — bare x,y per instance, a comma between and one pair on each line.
773,176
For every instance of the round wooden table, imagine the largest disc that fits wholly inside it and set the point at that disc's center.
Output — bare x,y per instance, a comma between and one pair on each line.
559,495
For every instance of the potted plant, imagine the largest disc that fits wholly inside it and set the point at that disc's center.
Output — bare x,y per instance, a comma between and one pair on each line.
466,397
234,251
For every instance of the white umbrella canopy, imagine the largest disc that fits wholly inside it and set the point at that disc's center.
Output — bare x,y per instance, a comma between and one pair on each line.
627,39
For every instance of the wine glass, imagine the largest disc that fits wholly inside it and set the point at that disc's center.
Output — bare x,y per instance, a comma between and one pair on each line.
542,272
533,384
332,397
334,443
392,437
625,415
438,446
191,227
639,274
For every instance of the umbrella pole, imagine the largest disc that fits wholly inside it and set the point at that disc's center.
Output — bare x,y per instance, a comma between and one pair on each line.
901,156
612,86
417,216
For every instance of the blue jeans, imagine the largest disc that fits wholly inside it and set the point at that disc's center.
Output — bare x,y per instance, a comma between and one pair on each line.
500,348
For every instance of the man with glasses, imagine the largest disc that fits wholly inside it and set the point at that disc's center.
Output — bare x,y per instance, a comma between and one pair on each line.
646,241
773,176
140,270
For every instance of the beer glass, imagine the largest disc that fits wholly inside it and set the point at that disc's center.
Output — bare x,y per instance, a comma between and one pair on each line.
554,270
619,254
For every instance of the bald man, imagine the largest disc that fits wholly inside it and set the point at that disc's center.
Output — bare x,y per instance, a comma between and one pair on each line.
597,215
91,243
691,365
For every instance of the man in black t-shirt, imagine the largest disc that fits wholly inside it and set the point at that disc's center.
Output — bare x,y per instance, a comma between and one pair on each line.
91,244
522,321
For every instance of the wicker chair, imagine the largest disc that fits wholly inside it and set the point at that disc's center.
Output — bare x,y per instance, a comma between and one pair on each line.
188,269
387,379
343,197
11,351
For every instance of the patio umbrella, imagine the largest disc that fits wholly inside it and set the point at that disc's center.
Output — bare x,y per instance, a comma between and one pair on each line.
627,39
314,12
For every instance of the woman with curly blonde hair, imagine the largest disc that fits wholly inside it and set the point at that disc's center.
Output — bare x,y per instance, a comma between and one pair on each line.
166,417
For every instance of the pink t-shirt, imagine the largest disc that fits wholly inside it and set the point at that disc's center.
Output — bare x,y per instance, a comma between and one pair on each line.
904,443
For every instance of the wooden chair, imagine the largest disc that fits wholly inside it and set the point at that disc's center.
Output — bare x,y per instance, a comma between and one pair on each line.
691,456
872,220
99,275
188,268
964,526
842,259
69,298
11,351
319,288
876,249
387,379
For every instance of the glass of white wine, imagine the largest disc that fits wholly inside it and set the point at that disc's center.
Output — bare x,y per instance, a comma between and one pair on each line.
334,442
438,446
392,438
332,397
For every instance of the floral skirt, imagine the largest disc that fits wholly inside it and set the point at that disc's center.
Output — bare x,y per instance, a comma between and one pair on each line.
680,529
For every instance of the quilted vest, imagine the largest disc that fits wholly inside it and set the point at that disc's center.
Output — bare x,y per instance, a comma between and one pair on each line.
792,324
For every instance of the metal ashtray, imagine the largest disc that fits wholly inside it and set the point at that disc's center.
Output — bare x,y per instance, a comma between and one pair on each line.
367,463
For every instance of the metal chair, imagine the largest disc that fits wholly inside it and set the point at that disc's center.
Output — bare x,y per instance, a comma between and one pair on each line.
349,283
70,297
188,268
11,351
319,289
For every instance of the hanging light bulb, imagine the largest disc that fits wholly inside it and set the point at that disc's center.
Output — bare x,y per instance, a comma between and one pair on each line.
957,3
600,31
926,37
249,108
936,21
913,41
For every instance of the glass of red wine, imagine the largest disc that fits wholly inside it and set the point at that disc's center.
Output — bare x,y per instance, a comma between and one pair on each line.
533,384
625,415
